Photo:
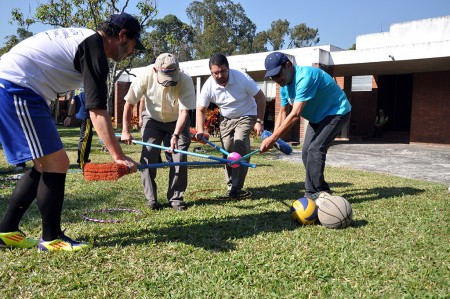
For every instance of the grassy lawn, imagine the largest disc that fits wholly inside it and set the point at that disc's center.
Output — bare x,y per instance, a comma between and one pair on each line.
398,246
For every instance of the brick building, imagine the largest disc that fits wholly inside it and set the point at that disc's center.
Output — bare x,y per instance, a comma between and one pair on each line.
405,71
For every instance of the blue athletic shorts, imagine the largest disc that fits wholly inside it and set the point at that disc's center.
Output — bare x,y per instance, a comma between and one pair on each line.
27,128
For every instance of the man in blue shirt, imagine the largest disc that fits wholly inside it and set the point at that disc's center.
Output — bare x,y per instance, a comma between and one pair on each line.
315,96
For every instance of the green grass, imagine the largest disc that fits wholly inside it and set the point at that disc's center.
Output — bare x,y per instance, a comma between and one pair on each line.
398,246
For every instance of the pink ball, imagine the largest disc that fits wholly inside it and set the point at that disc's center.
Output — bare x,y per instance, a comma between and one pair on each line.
233,157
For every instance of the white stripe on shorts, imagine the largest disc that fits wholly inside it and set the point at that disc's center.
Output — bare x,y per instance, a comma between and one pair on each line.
28,127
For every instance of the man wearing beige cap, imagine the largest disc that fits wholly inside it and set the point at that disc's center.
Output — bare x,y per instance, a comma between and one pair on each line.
169,95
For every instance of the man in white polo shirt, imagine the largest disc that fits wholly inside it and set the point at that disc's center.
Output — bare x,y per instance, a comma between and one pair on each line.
169,95
242,105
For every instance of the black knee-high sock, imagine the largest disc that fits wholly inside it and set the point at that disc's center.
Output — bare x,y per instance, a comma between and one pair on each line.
50,198
21,199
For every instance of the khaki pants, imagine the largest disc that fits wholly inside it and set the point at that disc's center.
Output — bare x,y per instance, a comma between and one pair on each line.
235,137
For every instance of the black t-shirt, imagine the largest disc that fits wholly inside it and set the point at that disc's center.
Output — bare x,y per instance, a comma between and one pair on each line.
91,61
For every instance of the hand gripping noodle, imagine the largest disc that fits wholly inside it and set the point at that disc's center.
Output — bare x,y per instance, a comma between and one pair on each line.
281,145
194,132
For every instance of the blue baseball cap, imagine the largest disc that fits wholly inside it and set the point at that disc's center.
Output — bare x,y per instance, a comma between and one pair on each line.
131,24
273,63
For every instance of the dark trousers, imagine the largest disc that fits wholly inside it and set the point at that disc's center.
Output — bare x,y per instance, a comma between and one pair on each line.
378,132
84,144
318,139
154,132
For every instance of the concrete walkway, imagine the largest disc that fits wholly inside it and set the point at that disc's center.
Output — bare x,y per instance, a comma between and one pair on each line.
417,161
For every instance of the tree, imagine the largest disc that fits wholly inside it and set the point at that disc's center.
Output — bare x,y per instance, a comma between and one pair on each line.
22,31
172,36
303,36
260,42
299,36
275,35
12,40
89,14
220,26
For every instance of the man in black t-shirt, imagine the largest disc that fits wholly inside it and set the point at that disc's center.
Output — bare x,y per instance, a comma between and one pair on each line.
34,73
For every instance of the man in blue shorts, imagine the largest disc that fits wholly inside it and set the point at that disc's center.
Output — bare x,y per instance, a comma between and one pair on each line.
32,74
315,96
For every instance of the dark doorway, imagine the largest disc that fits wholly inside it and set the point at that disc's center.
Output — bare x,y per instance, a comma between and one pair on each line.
395,97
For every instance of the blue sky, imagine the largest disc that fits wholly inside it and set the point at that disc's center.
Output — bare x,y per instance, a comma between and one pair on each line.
339,22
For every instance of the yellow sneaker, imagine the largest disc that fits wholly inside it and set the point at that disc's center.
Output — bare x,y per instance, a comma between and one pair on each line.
63,243
16,239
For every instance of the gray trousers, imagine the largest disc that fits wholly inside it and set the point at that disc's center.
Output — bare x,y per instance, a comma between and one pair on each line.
154,132
235,137
318,139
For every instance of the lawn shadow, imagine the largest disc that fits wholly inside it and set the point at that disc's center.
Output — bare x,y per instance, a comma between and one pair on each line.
277,192
377,193
359,223
70,146
214,234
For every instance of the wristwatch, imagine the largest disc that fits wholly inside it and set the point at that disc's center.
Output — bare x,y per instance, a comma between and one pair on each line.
260,121
176,136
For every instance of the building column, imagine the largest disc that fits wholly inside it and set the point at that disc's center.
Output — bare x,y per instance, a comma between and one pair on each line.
348,91
120,91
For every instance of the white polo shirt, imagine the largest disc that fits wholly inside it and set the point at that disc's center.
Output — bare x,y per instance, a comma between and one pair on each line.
236,99
162,103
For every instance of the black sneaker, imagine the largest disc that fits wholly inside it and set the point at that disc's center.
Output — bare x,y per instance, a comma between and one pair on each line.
153,205
239,193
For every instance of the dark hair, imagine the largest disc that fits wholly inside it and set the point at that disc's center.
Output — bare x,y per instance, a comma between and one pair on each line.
218,59
110,29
